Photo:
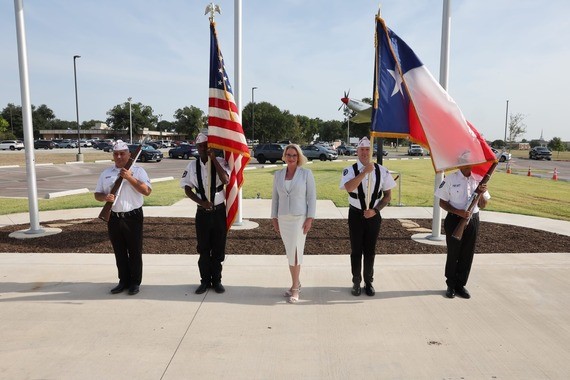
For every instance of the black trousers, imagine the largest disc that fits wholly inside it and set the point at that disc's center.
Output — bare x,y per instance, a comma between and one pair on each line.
363,236
211,235
126,235
459,252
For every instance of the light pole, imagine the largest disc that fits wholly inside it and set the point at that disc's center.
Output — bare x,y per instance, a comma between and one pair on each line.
252,114
506,118
130,118
11,120
158,125
79,156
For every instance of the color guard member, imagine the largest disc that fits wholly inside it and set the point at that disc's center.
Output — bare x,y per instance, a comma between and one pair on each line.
125,224
364,219
211,230
454,197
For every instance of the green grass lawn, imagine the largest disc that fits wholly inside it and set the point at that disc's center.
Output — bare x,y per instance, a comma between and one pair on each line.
510,193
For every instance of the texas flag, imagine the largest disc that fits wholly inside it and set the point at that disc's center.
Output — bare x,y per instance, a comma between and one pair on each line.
410,103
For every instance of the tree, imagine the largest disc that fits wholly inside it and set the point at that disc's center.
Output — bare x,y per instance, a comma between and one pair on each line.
189,121
90,124
13,115
330,130
556,144
119,117
498,144
61,124
517,127
308,128
4,125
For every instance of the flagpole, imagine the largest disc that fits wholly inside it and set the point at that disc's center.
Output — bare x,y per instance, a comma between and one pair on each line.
27,120
237,86
443,79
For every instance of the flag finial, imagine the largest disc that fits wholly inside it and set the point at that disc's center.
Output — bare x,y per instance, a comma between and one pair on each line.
212,9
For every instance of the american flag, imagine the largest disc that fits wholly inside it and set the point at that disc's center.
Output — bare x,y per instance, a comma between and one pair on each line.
224,126
409,102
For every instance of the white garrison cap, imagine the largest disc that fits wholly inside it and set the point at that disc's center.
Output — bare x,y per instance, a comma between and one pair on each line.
201,138
364,143
120,145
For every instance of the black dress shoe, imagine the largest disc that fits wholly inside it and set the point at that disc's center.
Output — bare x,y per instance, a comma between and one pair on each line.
134,289
356,290
369,290
219,288
118,289
462,292
202,288
450,293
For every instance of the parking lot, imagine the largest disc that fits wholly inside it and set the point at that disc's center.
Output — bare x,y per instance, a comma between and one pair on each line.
63,177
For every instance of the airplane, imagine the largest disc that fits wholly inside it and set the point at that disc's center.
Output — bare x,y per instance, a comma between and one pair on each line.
362,111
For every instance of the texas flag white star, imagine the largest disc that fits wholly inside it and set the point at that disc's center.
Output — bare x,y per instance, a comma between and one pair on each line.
398,84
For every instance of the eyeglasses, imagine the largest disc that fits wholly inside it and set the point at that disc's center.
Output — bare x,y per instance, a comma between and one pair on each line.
290,155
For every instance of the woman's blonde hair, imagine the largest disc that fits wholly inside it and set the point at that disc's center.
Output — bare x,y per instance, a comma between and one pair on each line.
301,159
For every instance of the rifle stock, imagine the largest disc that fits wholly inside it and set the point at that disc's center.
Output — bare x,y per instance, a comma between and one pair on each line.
458,232
105,213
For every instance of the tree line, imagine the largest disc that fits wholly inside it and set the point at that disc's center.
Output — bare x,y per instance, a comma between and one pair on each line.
262,121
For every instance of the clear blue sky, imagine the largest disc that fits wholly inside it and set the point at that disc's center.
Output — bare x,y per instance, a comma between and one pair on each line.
300,54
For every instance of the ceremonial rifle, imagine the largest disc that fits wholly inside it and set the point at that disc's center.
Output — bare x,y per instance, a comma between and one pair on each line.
458,233
105,213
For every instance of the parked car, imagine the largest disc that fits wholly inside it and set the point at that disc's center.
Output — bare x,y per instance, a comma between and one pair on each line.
44,144
65,143
415,150
164,143
269,152
85,143
320,152
148,153
501,156
346,150
11,144
540,152
105,146
100,144
184,151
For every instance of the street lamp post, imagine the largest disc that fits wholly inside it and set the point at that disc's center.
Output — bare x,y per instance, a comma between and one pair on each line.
252,114
506,119
130,119
11,120
158,125
79,156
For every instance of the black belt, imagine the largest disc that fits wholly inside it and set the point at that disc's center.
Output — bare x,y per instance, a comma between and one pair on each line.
452,215
353,208
126,214
216,207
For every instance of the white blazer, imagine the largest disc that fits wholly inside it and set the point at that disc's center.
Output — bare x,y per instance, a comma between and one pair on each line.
300,200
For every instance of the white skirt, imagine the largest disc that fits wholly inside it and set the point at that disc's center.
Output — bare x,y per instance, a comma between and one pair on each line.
291,228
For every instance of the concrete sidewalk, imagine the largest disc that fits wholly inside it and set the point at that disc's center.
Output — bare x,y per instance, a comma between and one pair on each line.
60,322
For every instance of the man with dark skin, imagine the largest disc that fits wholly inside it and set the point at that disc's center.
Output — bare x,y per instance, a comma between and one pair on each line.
454,197
206,188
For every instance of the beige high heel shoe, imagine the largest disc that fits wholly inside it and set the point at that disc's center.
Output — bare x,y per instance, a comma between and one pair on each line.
293,299
288,292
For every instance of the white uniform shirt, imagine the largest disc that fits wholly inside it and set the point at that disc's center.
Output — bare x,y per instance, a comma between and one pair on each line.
190,178
127,198
457,190
386,182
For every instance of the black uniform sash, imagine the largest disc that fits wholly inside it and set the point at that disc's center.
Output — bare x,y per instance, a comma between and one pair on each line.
375,194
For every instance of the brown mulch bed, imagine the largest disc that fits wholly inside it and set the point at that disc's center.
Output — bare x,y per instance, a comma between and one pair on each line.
328,236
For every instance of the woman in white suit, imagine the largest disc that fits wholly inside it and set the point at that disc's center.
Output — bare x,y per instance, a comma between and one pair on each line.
293,208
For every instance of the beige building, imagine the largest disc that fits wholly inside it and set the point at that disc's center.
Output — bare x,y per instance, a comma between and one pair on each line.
102,131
